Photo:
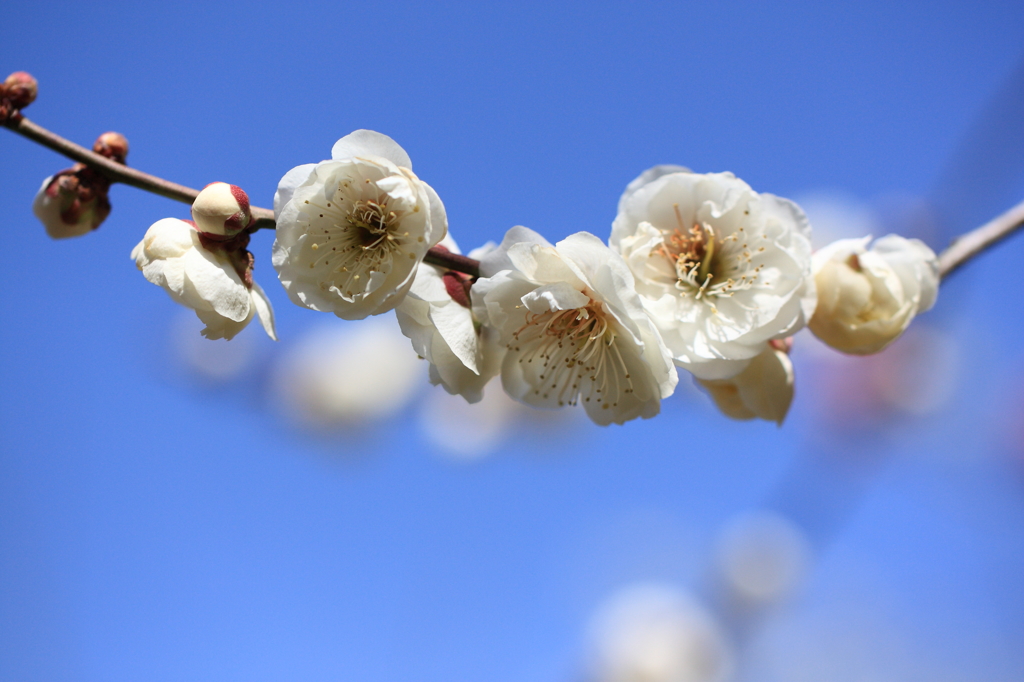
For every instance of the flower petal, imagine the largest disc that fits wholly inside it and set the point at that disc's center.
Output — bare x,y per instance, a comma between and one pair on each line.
363,143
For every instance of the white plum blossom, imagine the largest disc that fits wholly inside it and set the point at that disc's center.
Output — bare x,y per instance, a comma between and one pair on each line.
657,633
173,256
574,328
437,317
867,298
762,557
763,390
351,231
720,268
342,375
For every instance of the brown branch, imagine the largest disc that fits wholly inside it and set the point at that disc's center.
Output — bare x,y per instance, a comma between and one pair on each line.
111,169
443,258
967,246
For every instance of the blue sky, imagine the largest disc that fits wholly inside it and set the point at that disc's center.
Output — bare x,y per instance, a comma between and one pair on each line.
155,526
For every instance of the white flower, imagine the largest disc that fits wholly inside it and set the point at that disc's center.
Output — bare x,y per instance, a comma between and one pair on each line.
764,389
351,231
720,268
347,374
762,556
866,299
69,207
656,633
573,326
171,255
437,318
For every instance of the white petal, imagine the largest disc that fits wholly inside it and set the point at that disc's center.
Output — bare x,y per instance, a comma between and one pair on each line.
288,184
217,283
263,310
455,325
557,296
497,259
647,177
364,143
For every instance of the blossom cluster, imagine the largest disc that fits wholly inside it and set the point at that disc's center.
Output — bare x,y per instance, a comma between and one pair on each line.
699,273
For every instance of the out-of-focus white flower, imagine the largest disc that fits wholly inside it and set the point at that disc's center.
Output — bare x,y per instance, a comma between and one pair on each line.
438,319
469,431
763,390
351,231
651,633
346,374
762,557
574,327
72,203
720,268
867,298
173,256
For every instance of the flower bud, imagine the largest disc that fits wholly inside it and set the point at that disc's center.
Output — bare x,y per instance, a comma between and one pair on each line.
20,89
72,203
763,390
112,145
867,298
221,210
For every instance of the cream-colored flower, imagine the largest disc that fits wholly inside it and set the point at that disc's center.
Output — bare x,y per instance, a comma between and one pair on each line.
720,268
173,256
574,328
763,390
867,298
437,317
351,231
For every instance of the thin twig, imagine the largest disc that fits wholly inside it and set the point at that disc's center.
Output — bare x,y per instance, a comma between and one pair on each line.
967,246
116,172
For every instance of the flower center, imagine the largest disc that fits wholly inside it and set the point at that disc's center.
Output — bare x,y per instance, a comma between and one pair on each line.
354,238
708,265
574,354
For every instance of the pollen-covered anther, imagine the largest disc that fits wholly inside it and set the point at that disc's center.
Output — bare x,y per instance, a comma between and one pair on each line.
576,348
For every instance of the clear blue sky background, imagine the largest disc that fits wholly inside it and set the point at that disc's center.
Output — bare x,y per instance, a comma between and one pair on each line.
153,529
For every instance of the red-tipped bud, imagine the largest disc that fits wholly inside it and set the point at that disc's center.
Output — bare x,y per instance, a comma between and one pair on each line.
20,89
114,146
221,210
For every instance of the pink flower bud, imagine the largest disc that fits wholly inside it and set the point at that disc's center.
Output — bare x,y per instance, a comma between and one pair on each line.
221,210
114,146
20,89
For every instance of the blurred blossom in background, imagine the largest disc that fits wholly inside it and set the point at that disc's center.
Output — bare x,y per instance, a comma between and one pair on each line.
178,509
347,374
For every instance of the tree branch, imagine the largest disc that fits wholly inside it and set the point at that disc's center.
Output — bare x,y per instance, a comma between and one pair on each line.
967,246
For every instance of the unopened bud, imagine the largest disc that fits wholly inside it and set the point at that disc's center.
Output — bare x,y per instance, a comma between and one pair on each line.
763,390
72,203
20,89
221,210
112,145
867,298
